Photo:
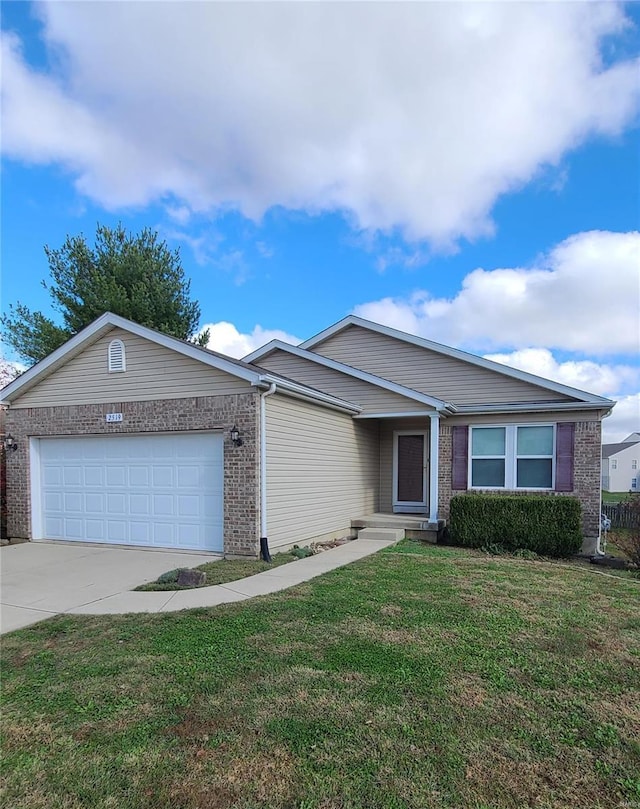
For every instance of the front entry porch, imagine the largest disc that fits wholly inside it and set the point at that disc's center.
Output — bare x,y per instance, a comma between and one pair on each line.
405,526
408,466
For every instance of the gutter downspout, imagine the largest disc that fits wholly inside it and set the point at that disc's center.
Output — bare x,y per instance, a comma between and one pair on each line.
264,545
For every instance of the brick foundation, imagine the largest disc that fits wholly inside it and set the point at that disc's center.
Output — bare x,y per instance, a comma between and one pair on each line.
241,464
586,475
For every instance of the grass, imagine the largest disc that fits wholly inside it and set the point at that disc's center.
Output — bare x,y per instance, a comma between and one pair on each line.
612,498
421,677
225,570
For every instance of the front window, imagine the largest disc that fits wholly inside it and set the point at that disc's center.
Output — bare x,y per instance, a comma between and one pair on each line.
614,463
634,464
534,457
488,456
512,457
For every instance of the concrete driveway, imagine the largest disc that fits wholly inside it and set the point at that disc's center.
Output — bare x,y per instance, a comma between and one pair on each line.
41,579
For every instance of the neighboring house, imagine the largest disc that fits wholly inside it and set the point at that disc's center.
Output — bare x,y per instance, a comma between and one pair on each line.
620,465
127,436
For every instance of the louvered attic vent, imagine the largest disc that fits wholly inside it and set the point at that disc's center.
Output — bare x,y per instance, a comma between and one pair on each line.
116,357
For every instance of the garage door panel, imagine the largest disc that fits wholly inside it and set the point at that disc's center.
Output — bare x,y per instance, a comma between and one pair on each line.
116,476
114,489
116,504
53,527
73,502
72,475
140,533
140,505
95,530
163,534
138,476
53,502
52,476
162,476
188,535
74,528
94,504
117,531
93,476
188,476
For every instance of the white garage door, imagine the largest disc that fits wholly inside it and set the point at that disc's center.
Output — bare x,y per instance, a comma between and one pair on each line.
163,491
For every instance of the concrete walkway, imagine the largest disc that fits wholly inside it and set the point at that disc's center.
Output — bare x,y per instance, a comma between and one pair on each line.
113,575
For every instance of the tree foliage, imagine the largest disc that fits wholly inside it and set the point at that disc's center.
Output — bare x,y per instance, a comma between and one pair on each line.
133,275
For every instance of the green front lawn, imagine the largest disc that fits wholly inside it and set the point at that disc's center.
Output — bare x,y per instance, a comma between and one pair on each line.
223,571
419,677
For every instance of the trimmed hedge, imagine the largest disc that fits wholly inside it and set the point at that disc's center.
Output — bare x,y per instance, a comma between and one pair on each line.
545,524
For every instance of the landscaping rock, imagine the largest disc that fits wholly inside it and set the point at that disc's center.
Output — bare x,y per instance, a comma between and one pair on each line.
191,578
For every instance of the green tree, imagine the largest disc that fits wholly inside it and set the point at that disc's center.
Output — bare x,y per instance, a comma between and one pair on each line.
133,275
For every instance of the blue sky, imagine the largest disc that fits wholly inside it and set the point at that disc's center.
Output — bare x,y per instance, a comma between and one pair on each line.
465,172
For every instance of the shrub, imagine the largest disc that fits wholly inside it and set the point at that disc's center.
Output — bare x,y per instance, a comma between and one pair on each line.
547,525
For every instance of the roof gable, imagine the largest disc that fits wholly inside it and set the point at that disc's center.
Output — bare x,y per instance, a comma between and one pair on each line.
102,326
613,449
106,323
373,398
323,343
357,373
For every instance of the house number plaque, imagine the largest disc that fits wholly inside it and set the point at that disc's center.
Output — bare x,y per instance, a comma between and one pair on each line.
113,417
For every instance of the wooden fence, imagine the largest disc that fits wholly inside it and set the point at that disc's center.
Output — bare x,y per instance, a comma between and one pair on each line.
622,515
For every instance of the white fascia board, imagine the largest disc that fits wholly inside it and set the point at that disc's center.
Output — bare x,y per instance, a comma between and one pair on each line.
84,337
532,407
310,395
397,415
349,370
456,353
267,348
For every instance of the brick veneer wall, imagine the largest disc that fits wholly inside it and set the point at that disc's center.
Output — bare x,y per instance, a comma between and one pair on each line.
241,464
586,474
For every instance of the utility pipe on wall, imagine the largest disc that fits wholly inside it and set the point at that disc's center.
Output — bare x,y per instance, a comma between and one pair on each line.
264,544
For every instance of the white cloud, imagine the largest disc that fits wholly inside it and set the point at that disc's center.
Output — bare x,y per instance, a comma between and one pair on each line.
409,115
584,296
225,338
624,420
603,379
613,381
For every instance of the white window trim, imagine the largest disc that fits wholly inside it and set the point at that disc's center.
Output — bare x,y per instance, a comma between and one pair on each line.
511,459
112,345
634,464
614,463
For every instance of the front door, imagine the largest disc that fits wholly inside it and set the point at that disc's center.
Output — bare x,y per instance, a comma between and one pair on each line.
410,471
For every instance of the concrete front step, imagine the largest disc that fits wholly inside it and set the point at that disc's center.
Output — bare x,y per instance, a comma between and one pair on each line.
384,534
415,522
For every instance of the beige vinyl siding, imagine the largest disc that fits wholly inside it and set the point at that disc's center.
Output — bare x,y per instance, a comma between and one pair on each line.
549,417
152,372
370,397
322,470
446,378
387,428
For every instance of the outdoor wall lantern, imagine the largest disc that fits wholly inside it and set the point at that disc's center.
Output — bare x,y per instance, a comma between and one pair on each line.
235,436
10,443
